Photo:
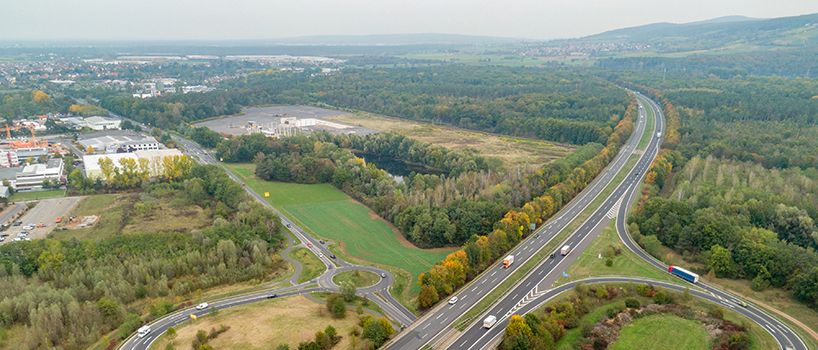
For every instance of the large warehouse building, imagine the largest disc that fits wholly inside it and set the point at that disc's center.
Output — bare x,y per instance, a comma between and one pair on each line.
154,157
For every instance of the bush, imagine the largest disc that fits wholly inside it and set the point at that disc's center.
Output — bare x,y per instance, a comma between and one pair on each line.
661,297
632,303
336,306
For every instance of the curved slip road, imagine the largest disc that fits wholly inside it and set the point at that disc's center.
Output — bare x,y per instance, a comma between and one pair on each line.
476,337
432,328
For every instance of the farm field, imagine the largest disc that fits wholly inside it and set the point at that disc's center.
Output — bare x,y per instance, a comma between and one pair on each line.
361,235
510,150
264,325
652,332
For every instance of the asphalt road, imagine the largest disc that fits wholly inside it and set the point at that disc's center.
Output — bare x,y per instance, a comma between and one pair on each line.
433,328
477,337
532,287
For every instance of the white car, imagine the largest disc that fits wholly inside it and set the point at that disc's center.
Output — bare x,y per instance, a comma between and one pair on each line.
202,306
452,300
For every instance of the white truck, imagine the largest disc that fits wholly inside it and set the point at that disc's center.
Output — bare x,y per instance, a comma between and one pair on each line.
659,134
508,261
565,250
489,321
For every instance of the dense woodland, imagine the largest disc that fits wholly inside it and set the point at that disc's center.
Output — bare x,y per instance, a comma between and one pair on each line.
66,294
22,104
556,105
737,193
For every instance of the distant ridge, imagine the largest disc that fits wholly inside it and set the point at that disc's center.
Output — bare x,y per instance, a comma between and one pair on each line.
396,39
730,31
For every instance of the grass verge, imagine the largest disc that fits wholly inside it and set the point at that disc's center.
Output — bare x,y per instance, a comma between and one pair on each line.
362,236
311,266
358,278
653,332
36,195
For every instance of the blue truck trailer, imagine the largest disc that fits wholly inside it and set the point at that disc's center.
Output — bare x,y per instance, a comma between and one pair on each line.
684,274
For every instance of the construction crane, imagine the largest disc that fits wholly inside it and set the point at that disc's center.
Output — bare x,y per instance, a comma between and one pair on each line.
21,144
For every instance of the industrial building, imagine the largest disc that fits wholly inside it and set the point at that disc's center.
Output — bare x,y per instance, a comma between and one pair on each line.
118,142
33,176
155,161
93,123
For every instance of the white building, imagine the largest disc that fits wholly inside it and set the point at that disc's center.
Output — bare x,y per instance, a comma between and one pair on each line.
93,123
32,176
8,158
155,161
119,142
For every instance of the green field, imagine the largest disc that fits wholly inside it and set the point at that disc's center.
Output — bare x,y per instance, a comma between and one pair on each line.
626,263
358,278
36,195
312,267
329,213
652,332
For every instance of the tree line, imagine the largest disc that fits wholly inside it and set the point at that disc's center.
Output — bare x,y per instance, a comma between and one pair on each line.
67,293
480,251
736,193
557,105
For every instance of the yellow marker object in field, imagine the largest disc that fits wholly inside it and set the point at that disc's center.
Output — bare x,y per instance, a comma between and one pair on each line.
266,194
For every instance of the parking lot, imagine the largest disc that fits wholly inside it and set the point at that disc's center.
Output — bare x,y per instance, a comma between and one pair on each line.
268,116
45,213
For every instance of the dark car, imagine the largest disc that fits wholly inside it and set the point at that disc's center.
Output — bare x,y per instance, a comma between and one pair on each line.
552,256
332,256
271,296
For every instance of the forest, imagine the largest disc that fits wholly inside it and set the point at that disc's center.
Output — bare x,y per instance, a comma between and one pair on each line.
66,294
22,104
557,105
737,193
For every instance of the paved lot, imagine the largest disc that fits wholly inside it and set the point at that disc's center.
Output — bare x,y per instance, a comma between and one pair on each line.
269,116
45,212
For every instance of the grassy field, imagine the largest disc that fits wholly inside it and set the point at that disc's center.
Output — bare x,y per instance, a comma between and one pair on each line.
36,195
129,213
652,332
312,267
358,278
264,325
510,150
590,264
364,237
760,339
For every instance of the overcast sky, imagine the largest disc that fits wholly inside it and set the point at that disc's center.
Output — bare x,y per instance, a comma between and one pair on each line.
269,19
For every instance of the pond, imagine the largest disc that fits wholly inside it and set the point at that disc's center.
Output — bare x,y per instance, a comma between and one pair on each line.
396,167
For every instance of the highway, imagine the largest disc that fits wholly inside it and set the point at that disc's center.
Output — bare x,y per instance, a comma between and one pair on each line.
523,299
378,293
433,329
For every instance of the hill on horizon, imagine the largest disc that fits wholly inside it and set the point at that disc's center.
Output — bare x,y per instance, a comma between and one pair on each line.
731,32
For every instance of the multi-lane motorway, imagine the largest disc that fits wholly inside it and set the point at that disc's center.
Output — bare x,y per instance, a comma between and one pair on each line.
433,329
476,337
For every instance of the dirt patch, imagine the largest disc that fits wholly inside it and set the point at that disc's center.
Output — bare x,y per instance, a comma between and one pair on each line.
265,325
511,151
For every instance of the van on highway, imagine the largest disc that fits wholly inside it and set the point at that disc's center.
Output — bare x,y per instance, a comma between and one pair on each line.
489,321
143,331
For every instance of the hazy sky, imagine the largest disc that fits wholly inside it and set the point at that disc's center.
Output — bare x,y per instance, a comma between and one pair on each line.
265,19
